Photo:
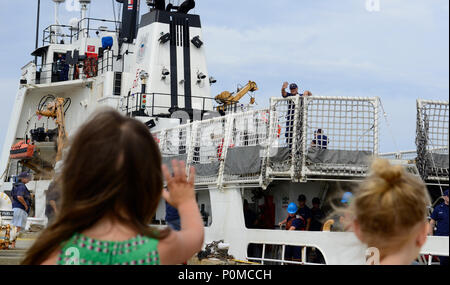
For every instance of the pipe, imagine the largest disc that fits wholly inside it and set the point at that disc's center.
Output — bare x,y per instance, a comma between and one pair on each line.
37,29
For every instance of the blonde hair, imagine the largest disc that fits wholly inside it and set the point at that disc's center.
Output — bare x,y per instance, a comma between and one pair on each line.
388,206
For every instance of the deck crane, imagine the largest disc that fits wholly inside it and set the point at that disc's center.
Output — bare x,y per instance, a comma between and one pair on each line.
227,99
55,110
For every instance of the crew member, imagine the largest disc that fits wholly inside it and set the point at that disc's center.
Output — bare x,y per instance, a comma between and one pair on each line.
439,219
317,215
304,211
21,202
320,140
293,222
291,110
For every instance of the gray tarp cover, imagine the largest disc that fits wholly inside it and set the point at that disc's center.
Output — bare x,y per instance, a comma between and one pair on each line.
167,160
347,157
243,160
440,160
206,169
279,154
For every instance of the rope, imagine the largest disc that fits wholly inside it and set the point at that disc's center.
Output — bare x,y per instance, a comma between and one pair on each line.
423,138
389,127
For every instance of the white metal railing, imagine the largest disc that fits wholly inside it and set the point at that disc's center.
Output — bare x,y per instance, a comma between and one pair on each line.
278,257
343,131
259,146
432,139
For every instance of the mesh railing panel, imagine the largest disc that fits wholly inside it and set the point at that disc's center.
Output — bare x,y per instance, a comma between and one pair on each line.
260,146
207,149
432,139
282,138
340,135
248,136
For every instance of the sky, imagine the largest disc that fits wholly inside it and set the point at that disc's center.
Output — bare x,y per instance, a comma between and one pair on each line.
397,50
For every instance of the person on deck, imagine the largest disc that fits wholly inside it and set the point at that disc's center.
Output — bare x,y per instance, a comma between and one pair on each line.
439,220
304,211
21,203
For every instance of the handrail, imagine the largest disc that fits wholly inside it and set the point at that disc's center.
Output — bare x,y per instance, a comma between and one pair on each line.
207,142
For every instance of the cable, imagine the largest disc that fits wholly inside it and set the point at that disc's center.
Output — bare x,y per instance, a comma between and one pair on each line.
388,126
67,102
114,12
44,101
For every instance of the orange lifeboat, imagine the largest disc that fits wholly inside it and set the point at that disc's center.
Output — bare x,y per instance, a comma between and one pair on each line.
22,150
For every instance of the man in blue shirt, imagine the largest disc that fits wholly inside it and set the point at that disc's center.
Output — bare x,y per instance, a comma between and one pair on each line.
320,140
293,222
291,110
21,202
440,216
304,211
317,215
173,217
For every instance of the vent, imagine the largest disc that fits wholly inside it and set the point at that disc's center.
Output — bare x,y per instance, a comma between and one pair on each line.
117,83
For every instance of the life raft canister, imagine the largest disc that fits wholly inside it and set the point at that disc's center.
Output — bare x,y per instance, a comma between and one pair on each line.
22,150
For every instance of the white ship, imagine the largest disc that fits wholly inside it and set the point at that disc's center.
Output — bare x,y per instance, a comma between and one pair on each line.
154,69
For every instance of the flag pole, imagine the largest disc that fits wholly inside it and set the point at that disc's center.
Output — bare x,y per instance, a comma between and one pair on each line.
37,29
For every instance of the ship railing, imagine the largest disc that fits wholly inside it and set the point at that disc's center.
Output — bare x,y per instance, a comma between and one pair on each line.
257,147
247,135
175,144
96,25
106,62
284,138
51,72
339,136
208,150
53,33
274,254
154,104
432,140
403,155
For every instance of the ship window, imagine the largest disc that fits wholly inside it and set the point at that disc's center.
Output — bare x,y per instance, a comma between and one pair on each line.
272,254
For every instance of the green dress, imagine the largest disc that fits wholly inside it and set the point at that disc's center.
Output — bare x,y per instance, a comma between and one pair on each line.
82,250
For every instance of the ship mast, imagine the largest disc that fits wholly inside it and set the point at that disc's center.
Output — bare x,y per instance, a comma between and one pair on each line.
56,29
84,7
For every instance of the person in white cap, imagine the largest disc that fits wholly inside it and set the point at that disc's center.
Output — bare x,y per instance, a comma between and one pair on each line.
21,203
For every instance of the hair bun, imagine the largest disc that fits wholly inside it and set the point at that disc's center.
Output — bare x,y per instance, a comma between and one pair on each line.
389,173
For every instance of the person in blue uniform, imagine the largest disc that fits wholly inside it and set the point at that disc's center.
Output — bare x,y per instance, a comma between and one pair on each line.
317,215
173,217
293,222
439,219
320,140
291,110
304,211
21,202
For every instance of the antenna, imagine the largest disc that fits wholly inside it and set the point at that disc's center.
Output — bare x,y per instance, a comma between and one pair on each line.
56,30
57,3
84,4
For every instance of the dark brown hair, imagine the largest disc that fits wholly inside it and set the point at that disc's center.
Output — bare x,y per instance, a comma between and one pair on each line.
113,168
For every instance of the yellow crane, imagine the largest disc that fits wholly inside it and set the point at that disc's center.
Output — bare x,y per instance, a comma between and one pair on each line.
55,110
227,99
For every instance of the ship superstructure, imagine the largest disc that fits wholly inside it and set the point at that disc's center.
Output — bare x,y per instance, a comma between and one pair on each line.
154,69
